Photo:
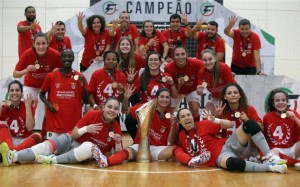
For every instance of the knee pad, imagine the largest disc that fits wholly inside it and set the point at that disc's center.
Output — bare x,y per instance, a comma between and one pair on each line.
41,149
235,164
83,152
251,127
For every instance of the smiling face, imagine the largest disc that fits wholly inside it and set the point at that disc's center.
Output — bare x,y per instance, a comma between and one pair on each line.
67,58
209,61
124,19
148,28
30,14
125,46
175,24
280,102
154,62
232,95
111,109
185,118
110,61
96,25
211,30
60,32
180,56
163,99
40,44
15,93
245,30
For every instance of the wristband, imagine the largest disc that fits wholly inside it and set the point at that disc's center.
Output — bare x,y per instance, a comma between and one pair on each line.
217,120
82,130
94,106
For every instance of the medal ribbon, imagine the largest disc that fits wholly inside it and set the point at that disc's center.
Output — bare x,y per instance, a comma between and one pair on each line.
194,149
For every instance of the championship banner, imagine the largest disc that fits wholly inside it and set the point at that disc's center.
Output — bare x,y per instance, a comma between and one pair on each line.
160,11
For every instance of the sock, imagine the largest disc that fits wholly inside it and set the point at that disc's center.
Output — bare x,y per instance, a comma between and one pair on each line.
181,156
66,158
25,155
256,167
261,143
5,136
118,158
290,161
29,142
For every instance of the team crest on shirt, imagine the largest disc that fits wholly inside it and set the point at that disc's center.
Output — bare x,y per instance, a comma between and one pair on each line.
103,42
47,67
163,129
73,85
57,85
108,139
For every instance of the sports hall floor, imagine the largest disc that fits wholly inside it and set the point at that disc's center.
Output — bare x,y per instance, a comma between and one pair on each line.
158,174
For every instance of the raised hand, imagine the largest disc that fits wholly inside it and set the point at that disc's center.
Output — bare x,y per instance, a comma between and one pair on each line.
219,107
131,73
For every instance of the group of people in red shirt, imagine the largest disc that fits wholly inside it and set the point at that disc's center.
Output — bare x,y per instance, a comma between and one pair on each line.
152,66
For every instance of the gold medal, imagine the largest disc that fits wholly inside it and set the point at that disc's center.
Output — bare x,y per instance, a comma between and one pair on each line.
204,84
111,134
168,115
283,115
243,53
114,84
37,66
237,114
97,53
186,78
164,79
8,103
75,77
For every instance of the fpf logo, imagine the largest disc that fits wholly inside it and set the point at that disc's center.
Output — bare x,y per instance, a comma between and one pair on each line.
109,7
207,9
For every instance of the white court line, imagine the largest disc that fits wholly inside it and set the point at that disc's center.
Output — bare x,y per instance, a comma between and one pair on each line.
137,172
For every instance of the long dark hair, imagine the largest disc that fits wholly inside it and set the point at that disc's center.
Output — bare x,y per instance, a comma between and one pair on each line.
243,101
143,33
89,22
144,81
15,82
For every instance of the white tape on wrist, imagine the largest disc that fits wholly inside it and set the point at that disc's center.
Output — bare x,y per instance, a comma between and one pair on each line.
217,120
82,130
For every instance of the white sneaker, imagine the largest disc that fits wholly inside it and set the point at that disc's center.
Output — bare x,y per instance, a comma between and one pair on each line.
42,159
272,159
278,168
99,157
200,159
7,155
297,166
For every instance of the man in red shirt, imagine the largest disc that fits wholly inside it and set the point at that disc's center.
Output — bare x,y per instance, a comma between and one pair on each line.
27,29
57,38
176,35
209,39
246,48
122,27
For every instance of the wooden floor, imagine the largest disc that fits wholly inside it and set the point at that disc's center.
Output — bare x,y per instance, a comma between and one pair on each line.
159,174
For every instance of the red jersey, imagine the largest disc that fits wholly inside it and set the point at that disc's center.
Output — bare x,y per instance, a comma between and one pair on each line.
59,45
159,128
252,114
248,45
36,78
281,133
94,43
16,120
155,83
191,70
140,63
66,92
25,39
225,77
102,139
132,32
157,47
206,141
203,42
101,84
172,38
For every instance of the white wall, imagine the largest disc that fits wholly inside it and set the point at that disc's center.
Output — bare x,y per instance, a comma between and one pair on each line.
274,16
